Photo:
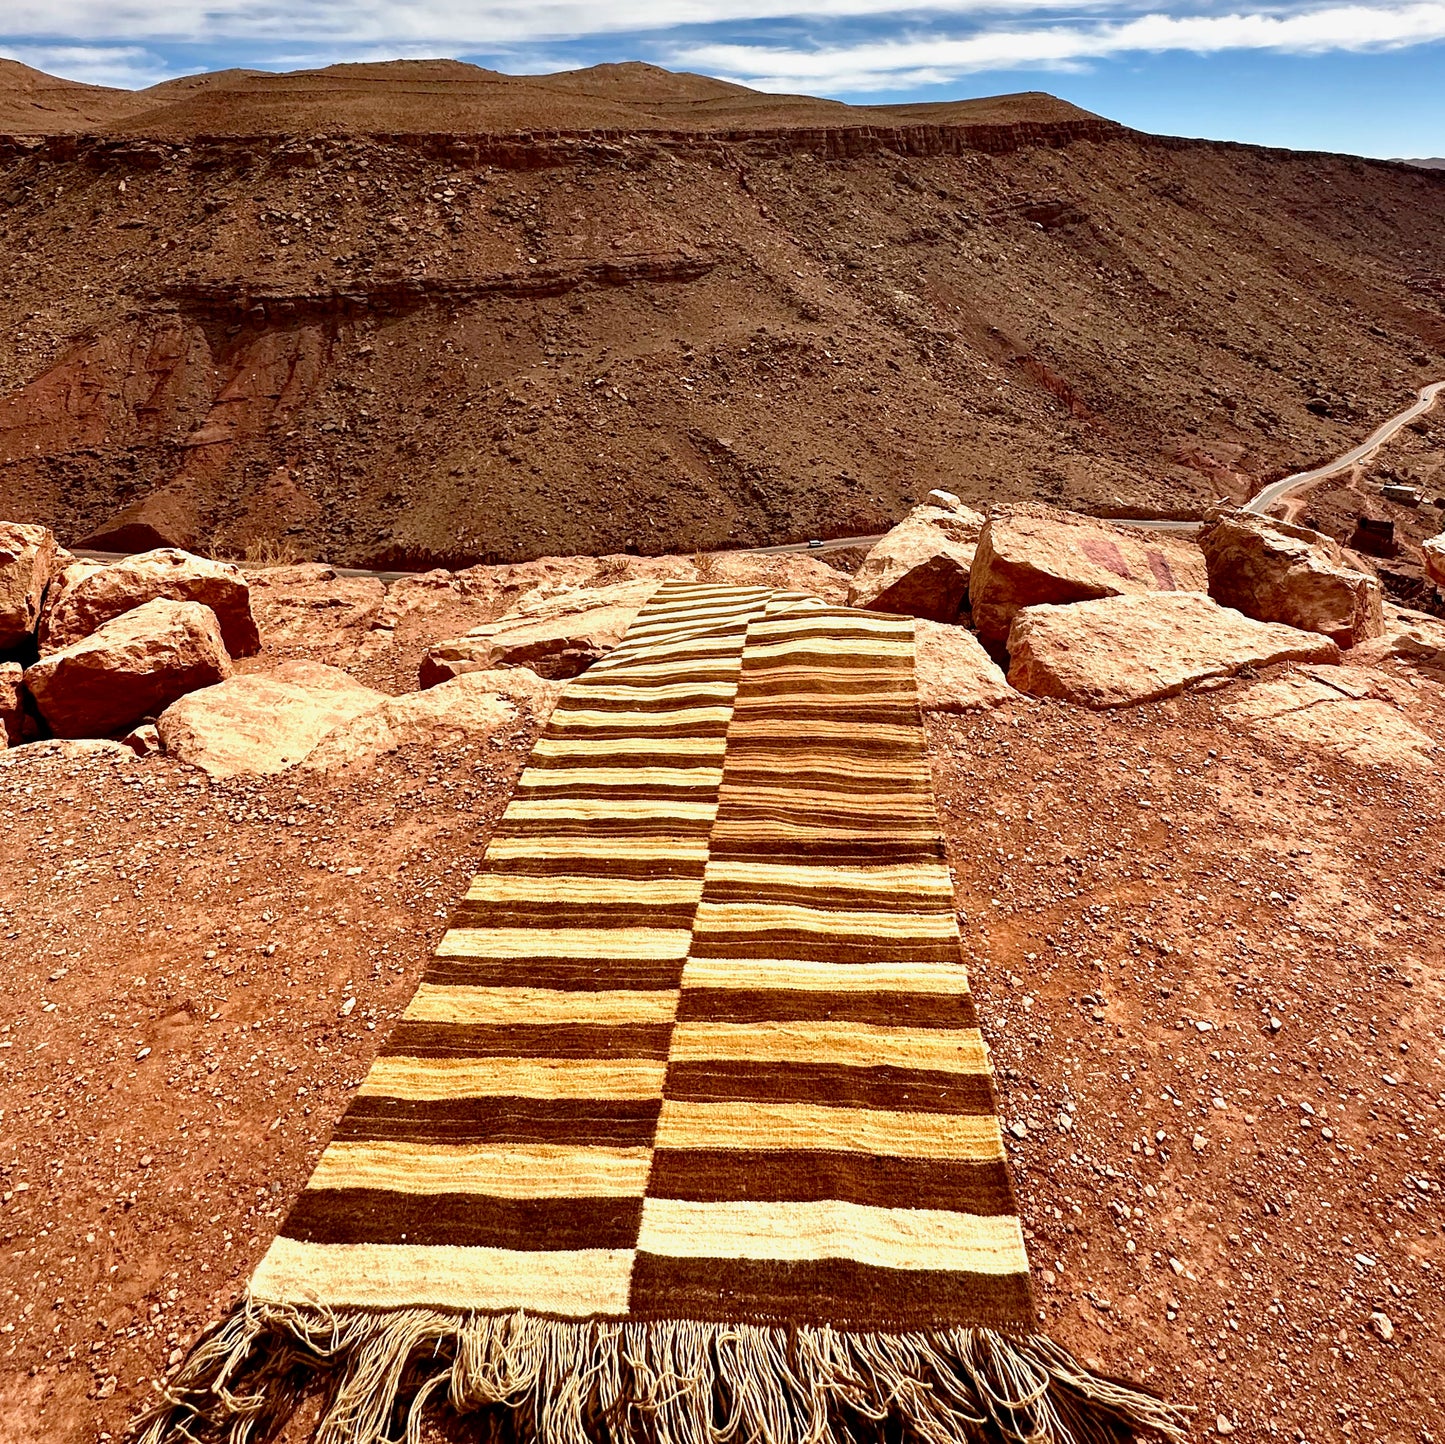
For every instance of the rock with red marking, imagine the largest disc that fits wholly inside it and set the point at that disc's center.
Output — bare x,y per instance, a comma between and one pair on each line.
1277,572
29,559
93,595
132,667
1117,650
1029,556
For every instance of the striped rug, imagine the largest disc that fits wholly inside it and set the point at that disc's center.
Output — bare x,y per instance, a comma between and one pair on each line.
688,1135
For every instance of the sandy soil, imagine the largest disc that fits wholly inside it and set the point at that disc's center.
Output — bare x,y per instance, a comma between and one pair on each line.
1209,968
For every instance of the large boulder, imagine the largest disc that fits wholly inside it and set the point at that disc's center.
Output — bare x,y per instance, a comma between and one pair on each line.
921,568
29,558
264,722
555,637
134,666
92,595
469,708
1029,556
1353,713
953,671
1118,650
17,723
1277,572
1434,551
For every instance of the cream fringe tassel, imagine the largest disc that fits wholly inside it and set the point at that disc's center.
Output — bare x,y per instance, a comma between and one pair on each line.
539,1380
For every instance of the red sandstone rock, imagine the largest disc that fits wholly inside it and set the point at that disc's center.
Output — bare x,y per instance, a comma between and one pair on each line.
921,568
29,558
556,637
130,668
93,596
1277,572
263,722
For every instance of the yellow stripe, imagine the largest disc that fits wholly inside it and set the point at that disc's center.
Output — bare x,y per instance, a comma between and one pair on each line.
575,1283
926,879
437,1079
579,719
924,1239
812,1126
516,1170
664,848
633,776
853,1045
434,1003
637,944
766,973
551,747
760,917
540,809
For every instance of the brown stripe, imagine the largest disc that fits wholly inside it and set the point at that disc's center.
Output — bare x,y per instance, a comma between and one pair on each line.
764,1005
573,865
810,947
597,1123
896,1090
581,975
594,827
463,1220
980,1188
561,1040
561,914
825,1291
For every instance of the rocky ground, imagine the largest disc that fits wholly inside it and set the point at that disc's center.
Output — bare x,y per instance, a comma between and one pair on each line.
1205,939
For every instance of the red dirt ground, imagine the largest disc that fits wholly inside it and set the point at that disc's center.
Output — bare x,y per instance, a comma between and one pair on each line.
1209,968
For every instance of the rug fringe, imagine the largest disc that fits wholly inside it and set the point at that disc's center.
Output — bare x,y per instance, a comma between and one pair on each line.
539,1380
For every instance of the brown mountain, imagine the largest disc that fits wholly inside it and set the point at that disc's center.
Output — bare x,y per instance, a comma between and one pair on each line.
34,103
425,310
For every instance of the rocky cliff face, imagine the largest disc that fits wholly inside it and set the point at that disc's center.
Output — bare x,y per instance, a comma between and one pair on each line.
447,346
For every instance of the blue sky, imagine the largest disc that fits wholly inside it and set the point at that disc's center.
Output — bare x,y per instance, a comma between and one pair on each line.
1313,74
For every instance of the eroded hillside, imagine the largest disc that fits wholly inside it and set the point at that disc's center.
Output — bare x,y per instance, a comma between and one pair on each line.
462,346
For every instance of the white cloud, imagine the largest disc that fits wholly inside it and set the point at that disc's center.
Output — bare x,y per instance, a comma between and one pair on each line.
447,25
894,64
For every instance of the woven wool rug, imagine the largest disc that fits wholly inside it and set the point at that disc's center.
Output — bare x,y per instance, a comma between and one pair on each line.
688,1135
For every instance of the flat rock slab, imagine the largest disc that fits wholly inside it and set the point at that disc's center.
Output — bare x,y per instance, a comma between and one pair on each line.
1121,650
133,667
92,595
1030,556
954,672
264,722
1352,713
556,637
469,708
